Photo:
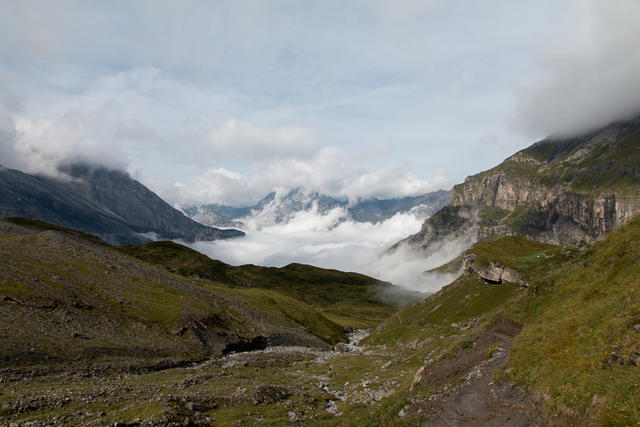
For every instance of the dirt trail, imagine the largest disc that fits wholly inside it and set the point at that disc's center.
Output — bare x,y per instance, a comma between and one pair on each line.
476,400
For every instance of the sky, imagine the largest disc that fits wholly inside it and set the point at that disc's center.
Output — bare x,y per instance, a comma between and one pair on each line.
222,102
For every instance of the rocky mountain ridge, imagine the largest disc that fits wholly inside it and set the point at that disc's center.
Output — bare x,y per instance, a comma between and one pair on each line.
279,207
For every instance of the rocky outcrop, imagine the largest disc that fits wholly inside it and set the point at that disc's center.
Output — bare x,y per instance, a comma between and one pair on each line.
494,272
554,214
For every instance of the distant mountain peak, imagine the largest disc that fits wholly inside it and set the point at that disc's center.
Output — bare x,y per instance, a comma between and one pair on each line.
278,207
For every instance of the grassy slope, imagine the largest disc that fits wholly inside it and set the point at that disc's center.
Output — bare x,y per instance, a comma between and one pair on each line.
435,315
286,307
348,299
578,346
603,164
610,165
64,293
321,301
422,333
529,257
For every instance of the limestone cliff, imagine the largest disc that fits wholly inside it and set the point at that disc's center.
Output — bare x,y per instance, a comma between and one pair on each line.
562,191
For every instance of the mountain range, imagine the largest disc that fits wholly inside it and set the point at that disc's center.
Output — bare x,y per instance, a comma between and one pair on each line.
541,325
107,203
280,207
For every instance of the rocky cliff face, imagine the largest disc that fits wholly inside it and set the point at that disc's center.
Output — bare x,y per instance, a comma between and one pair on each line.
555,214
567,192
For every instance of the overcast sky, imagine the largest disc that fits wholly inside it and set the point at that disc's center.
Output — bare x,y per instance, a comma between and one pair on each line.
223,101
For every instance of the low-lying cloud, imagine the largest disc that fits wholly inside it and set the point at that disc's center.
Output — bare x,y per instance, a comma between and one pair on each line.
588,79
332,241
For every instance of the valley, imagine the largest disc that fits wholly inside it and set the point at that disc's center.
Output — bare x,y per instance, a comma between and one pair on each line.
527,332
429,362
336,213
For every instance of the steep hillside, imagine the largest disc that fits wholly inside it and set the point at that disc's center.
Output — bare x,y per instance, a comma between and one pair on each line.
106,203
84,325
557,191
568,332
580,344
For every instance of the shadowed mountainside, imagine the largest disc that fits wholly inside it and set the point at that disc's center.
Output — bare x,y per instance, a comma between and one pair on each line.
109,204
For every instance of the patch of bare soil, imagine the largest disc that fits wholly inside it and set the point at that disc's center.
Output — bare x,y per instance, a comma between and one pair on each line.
476,400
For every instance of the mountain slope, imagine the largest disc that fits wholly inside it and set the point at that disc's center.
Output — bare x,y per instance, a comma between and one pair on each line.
562,191
580,345
460,356
107,203
66,269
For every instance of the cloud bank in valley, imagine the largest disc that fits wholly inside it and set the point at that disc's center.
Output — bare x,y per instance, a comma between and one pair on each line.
333,241
588,78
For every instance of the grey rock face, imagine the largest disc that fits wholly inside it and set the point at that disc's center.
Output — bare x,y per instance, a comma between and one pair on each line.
553,214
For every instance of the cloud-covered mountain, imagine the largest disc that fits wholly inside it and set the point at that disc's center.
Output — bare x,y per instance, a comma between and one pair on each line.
279,207
104,202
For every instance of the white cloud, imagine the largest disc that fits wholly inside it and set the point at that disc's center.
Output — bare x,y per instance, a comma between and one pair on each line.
332,241
7,138
590,76
407,266
328,171
42,145
391,181
244,141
